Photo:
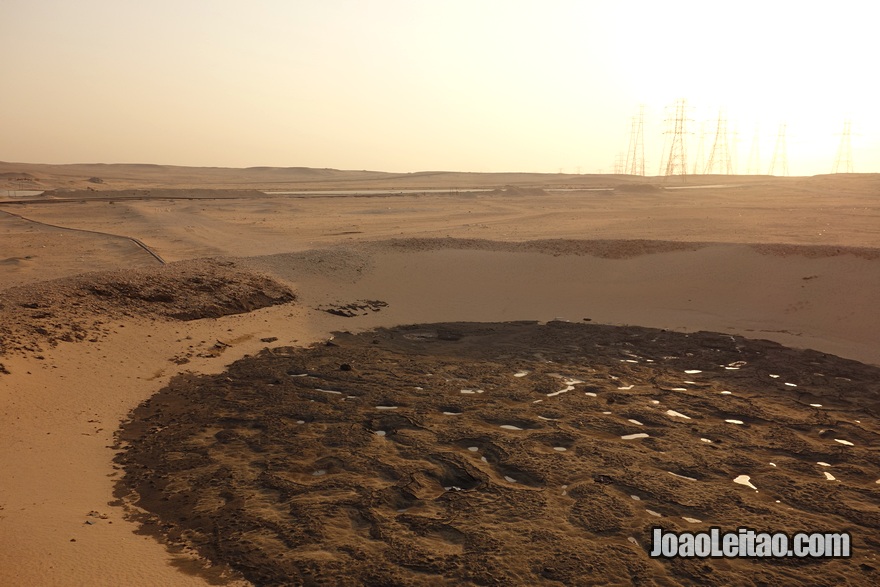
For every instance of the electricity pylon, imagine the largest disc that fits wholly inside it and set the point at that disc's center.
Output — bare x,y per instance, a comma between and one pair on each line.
753,167
844,151
635,154
676,162
700,160
719,156
780,153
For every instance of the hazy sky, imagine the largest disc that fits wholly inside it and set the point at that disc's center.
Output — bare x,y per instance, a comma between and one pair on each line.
407,85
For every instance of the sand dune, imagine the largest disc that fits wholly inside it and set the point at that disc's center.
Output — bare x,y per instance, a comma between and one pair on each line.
794,261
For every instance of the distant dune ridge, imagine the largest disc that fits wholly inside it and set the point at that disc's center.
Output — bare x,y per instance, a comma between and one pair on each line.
133,176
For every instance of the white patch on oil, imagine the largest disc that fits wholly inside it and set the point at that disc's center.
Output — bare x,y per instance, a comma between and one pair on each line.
692,371
745,480
734,422
681,476
510,427
829,476
845,442
569,385
634,436
675,414
706,440
636,422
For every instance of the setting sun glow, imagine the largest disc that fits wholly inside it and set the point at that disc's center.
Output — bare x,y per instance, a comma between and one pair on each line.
406,86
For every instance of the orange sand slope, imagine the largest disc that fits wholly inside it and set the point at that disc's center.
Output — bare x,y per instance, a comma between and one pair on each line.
60,406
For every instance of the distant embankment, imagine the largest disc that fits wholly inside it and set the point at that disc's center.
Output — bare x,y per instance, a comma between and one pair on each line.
135,194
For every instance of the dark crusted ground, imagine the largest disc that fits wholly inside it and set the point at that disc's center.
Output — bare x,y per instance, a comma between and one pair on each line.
388,458
41,315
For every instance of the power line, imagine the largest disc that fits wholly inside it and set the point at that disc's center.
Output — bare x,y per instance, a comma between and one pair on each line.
701,150
780,153
676,162
719,156
753,167
635,153
844,151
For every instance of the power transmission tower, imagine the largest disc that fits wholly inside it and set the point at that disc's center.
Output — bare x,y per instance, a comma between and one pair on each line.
635,154
676,162
719,156
701,149
780,153
620,164
844,151
753,167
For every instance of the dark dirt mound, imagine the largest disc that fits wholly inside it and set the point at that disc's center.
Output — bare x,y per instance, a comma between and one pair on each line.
77,308
497,454
605,248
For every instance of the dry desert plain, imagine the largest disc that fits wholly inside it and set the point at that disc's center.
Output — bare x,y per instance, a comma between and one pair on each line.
305,376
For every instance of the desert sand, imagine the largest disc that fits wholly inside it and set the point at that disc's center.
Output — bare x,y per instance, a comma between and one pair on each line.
154,280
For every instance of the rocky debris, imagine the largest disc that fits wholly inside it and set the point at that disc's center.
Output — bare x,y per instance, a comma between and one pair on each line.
83,307
356,308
